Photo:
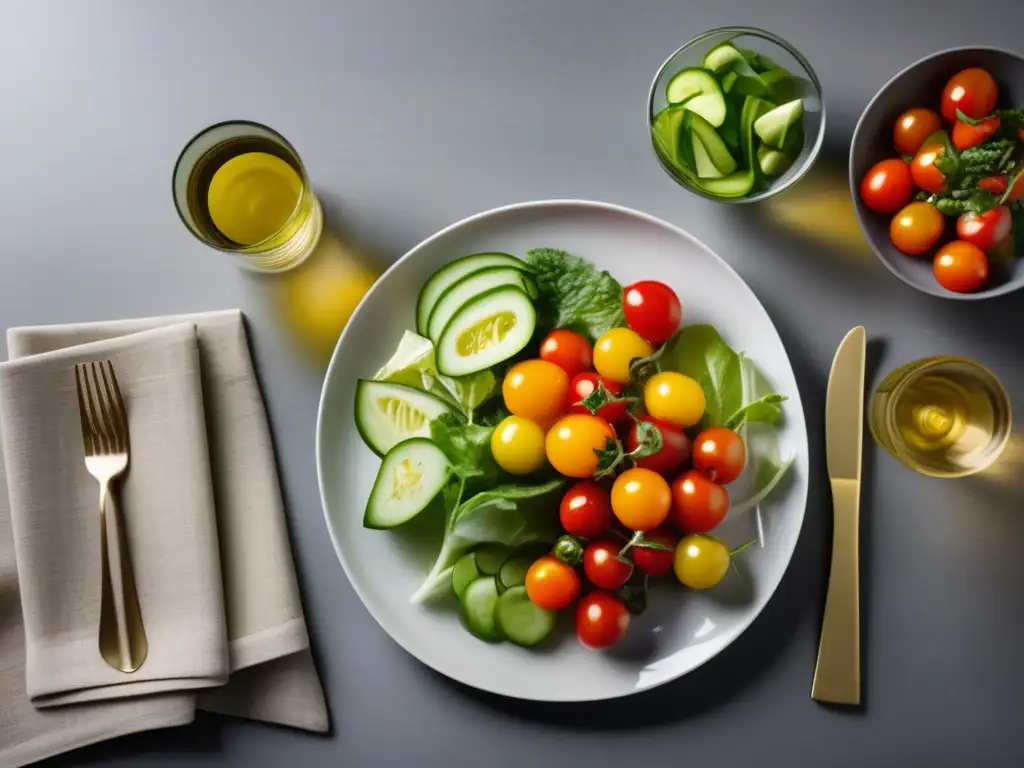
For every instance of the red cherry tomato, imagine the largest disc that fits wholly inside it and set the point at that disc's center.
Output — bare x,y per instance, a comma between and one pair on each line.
985,230
586,510
584,384
698,504
601,620
1017,192
966,135
995,185
888,186
675,446
656,562
552,584
923,170
568,350
602,567
912,128
652,310
972,91
719,454
961,267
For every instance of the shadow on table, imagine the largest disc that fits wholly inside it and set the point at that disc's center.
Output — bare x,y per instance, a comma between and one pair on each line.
202,738
736,670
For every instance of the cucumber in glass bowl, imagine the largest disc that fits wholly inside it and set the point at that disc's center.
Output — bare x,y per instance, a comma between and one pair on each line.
736,115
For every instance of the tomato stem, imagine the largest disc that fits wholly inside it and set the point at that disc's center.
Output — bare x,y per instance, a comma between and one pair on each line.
742,547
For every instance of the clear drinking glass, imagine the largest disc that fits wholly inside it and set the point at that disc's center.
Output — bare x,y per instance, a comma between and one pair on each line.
942,416
774,50
241,188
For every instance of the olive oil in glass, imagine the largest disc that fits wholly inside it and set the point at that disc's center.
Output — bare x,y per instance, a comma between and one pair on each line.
942,416
240,187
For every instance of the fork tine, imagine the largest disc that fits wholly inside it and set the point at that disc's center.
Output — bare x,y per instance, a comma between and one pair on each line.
95,416
103,410
87,433
120,415
110,413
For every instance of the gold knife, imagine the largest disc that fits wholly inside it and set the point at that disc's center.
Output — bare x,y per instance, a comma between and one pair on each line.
837,673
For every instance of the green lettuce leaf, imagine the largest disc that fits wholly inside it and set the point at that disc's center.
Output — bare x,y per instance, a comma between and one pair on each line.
701,353
467,446
510,515
573,294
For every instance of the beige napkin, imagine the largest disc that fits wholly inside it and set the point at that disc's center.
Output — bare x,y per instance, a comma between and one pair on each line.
265,625
167,507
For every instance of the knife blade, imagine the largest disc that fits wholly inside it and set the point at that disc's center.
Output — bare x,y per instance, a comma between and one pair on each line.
837,672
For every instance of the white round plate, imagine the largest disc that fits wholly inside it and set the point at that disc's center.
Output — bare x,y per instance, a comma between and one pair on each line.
681,630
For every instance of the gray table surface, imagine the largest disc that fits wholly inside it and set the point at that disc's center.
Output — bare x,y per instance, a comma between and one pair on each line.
411,115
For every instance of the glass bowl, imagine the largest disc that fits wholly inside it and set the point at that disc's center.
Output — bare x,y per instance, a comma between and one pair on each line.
779,53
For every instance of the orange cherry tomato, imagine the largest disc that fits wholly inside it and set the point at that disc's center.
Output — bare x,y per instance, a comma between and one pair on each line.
917,228
570,445
912,128
641,499
966,135
973,91
888,186
923,170
536,390
961,267
719,454
552,584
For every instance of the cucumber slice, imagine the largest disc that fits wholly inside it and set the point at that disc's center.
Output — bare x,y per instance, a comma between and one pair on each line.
773,126
489,558
513,571
723,58
388,413
781,85
485,331
409,478
741,182
750,85
473,284
701,93
772,161
708,148
477,608
520,620
666,130
451,273
464,573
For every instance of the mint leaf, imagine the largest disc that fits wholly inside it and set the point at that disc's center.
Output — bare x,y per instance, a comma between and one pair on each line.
701,353
575,295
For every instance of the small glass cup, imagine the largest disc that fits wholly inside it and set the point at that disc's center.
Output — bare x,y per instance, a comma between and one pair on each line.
780,53
289,244
942,416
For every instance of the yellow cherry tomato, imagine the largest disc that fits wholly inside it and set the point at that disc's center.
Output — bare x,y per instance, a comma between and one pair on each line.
641,499
517,444
536,390
615,350
571,443
701,561
674,397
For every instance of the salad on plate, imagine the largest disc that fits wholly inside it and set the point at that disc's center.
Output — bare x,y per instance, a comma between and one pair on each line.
572,436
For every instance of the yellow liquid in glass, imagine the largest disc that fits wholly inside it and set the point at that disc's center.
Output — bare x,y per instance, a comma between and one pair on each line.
943,417
252,196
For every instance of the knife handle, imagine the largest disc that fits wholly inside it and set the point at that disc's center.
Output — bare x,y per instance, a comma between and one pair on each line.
837,673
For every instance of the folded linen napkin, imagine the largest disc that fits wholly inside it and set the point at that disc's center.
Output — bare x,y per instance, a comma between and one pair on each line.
265,626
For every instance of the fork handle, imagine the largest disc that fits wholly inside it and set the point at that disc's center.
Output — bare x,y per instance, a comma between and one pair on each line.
122,635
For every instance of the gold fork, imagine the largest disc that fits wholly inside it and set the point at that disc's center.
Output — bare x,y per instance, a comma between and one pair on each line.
122,639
